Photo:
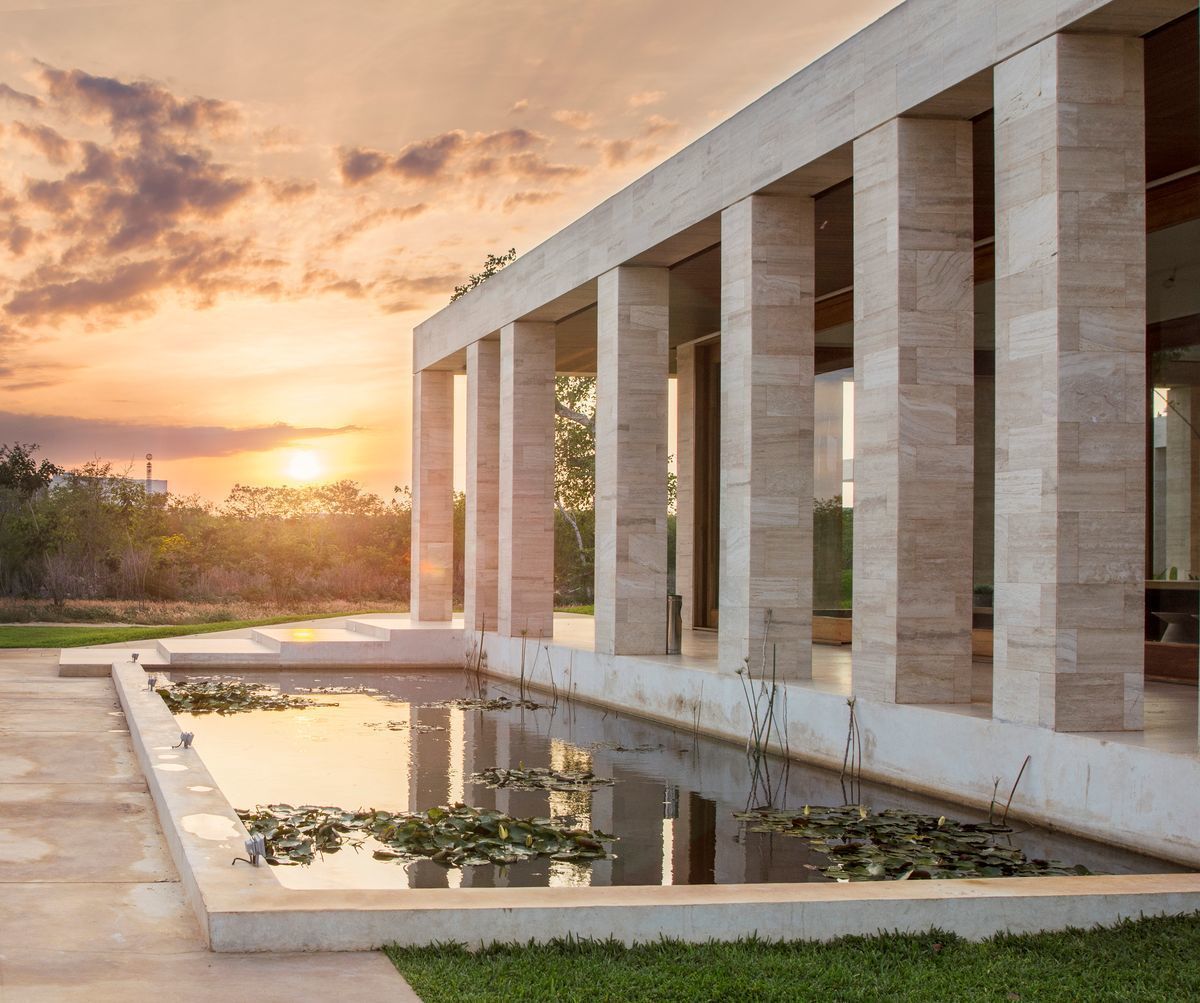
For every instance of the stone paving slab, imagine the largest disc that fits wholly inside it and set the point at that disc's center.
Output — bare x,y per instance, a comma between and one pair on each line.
200,977
95,918
51,757
28,663
47,715
80,832
91,907
87,691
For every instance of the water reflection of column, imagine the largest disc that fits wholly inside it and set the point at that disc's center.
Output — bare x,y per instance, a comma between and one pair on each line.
681,848
503,795
431,778
702,840
729,849
479,737
638,817
604,819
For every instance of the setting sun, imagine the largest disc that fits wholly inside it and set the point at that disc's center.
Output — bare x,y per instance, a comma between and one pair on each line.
303,465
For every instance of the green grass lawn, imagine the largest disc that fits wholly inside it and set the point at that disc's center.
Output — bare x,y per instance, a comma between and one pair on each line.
589,609
78,637
1153,959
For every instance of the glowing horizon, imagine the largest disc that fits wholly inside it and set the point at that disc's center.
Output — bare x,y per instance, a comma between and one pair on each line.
220,237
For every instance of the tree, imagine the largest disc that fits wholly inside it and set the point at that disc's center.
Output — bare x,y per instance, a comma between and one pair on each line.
20,471
575,483
493,264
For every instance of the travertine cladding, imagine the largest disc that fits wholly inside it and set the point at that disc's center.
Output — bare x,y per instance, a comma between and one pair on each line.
526,565
914,412
767,259
685,477
1070,384
432,570
480,604
912,55
632,368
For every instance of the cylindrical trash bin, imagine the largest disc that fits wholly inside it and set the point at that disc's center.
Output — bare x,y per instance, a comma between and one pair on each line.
674,624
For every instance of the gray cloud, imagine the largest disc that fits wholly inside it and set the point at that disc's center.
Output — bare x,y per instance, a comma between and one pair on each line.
449,156
48,142
141,107
74,440
19,97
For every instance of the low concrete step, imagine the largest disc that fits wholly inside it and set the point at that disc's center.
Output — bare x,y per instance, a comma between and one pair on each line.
394,627
94,663
215,651
323,645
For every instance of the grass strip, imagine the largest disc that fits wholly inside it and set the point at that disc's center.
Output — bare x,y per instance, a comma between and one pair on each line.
1144,960
79,637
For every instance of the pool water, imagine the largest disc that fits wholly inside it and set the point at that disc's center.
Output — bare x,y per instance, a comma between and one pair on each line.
673,804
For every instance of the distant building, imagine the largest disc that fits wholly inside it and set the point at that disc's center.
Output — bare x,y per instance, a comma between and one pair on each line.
153,487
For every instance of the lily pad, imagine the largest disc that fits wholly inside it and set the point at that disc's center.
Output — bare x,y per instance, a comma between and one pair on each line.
485,703
455,836
863,845
405,726
230,696
539,778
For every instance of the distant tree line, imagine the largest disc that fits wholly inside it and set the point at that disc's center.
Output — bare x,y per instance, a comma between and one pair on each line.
91,534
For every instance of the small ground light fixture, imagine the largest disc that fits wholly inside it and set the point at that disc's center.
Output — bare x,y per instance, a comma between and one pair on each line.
256,848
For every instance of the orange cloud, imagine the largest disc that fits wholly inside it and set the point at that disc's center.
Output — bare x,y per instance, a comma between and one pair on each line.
643,98
581,120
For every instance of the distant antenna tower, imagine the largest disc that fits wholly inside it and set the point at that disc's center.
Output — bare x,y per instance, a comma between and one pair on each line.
149,457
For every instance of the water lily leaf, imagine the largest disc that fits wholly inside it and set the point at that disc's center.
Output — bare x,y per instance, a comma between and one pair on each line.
901,845
454,836
229,696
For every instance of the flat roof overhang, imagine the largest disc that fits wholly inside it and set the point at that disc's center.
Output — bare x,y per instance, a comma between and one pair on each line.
924,57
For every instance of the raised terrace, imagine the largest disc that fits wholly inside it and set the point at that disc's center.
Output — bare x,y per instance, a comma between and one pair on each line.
925,321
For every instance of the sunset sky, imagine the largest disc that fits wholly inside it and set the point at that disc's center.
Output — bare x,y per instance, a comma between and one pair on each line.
221,220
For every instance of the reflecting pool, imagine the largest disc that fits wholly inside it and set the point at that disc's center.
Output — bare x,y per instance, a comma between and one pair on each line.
387,744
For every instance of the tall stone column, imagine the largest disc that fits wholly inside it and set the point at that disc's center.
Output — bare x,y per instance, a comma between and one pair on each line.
526,559
432,553
632,366
767,259
480,605
685,478
1070,384
914,409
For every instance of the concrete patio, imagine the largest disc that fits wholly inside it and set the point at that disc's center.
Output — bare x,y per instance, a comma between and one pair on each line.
93,908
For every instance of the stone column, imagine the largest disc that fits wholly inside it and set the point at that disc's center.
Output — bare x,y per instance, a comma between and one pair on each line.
1070,384
432,550
767,257
685,478
480,606
632,368
526,560
914,409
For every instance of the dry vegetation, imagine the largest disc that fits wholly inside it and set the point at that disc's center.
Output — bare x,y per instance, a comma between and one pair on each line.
167,611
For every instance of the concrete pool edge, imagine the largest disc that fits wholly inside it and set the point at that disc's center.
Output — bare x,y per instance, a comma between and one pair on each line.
244,909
